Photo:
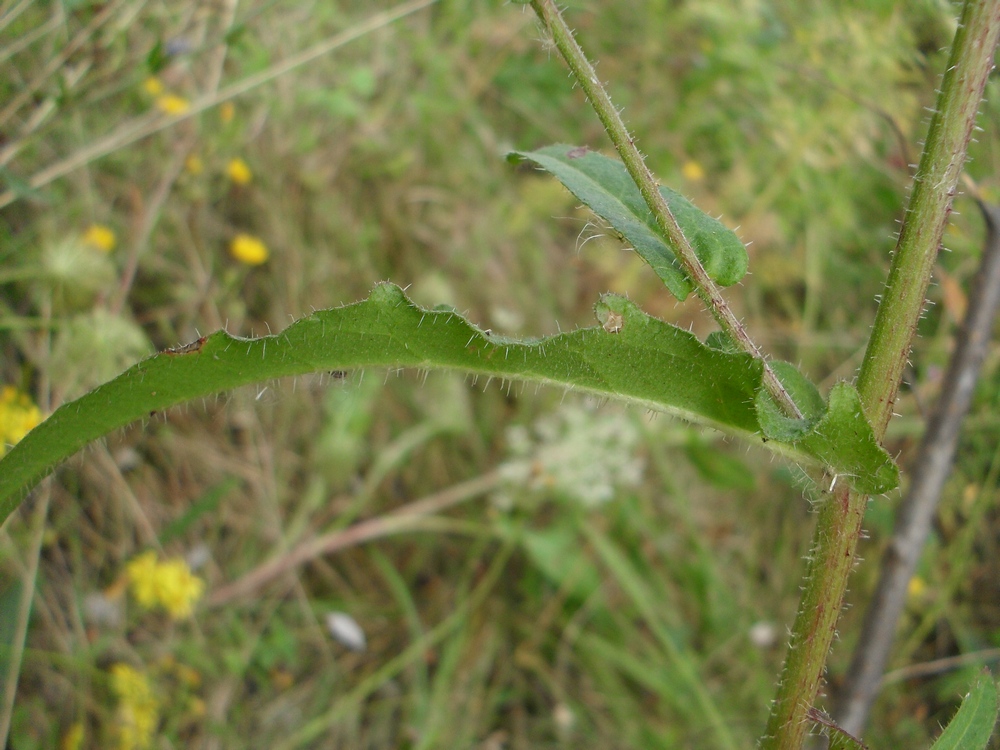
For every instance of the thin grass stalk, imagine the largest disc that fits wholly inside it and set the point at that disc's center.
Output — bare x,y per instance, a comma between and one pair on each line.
148,124
28,39
393,522
10,678
46,74
348,703
9,14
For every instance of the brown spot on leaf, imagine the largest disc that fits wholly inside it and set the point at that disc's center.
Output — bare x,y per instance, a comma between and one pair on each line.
614,322
194,346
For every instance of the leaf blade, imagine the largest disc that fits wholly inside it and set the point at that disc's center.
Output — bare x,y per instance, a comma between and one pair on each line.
631,357
972,726
606,187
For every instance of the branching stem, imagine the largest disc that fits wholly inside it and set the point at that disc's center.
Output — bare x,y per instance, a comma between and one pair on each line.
706,288
839,524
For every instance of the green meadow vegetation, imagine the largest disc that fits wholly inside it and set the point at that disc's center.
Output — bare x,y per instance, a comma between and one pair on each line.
406,547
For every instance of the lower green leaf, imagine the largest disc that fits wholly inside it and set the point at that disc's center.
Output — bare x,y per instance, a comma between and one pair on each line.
631,356
973,724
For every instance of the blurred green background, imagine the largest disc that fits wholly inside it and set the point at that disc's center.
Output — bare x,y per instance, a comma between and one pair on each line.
611,579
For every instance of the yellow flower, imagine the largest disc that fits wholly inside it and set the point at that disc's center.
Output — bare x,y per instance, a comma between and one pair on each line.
153,86
239,172
138,710
141,573
693,171
196,707
172,104
18,415
248,249
100,237
227,111
180,588
194,165
169,584
916,588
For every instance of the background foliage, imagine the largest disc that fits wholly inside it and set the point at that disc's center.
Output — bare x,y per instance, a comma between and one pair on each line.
628,579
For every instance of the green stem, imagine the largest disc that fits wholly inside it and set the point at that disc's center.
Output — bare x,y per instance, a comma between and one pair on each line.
839,524
934,187
585,75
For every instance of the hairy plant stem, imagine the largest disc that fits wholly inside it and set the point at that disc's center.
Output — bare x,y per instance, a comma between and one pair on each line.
839,524
706,288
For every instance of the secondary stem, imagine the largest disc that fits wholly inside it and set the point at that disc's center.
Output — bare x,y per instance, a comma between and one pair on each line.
839,524
706,288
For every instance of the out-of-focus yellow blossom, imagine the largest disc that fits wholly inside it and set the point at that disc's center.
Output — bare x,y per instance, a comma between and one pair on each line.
693,171
138,709
153,86
172,104
18,415
169,584
239,172
969,494
141,574
101,237
248,249
227,111
73,739
916,587
196,707
194,165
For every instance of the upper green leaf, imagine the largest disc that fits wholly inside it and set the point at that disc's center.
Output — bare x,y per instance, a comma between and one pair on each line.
630,356
607,188
973,724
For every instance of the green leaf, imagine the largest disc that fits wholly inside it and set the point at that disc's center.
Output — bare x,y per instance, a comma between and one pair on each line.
630,356
721,341
973,724
606,187
775,423
843,438
839,739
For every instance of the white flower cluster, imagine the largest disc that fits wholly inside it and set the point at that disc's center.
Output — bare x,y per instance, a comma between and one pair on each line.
579,453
